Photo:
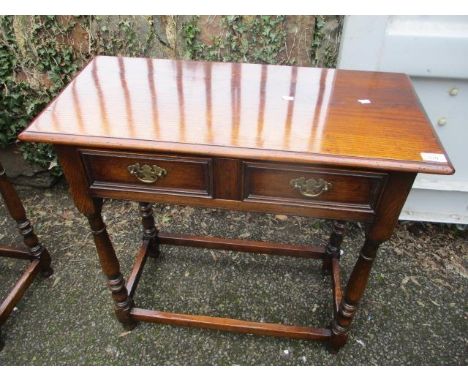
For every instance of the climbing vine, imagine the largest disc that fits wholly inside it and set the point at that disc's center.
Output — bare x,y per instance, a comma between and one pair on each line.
119,37
259,39
324,50
40,54
12,94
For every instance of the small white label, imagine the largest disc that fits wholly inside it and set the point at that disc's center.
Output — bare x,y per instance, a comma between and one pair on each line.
364,101
432,157
288,98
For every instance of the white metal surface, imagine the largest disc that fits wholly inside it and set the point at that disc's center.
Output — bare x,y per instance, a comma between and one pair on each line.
433,50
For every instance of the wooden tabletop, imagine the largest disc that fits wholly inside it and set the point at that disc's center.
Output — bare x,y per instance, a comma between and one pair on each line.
272,112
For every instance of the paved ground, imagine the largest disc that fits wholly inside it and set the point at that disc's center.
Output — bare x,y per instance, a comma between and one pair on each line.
413,312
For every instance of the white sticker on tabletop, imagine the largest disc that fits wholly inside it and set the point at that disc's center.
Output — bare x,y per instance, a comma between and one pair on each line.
433,157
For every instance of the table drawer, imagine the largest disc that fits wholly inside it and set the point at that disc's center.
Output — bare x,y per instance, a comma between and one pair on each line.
191,176
311,186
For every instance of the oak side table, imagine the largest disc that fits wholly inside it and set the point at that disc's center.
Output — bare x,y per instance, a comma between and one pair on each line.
333,144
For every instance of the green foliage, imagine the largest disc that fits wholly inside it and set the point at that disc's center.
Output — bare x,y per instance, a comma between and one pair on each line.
190,32
36,64
260,39
40,54
112,37
13,95
318,34
324,53
42,155
38,59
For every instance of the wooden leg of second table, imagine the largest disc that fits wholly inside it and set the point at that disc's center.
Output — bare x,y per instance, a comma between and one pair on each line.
111,268
150,231
35,247
16,210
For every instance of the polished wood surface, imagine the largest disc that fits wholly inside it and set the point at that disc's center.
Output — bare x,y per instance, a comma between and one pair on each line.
221,183
231,325
15,253
336,285
251,246
137,270
394,196
271,112
285,140
265,182
18,290
252,182
185,175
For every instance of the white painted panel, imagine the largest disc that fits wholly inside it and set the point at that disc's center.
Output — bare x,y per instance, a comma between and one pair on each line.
435,46
451,112
433,50
362,42
436,206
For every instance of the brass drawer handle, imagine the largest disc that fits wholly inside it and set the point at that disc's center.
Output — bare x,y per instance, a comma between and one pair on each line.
147,173
312,187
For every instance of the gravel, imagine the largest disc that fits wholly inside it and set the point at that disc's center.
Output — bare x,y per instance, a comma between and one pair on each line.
413,312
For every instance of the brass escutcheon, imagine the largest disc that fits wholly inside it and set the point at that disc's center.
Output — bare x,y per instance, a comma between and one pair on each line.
312,187
147,173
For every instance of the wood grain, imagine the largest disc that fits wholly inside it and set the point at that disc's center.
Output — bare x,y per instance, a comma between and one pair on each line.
336,285
305,251
271,182
269,112
17,292
230,324
137,269
15,253
185,175
236,136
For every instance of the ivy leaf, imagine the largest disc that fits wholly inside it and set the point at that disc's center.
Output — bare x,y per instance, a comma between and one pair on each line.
53,164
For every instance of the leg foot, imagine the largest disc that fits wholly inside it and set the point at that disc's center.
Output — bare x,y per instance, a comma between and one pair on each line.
128,326
326,267
46,273
123,303
2,343
336,342
123,315
46,270
354,291
153,251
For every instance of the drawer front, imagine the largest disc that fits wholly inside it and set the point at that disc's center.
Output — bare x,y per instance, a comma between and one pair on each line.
311,186
190,176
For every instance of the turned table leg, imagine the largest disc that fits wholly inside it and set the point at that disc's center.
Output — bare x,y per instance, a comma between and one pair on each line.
354,290
394,196
17,212
150,231
333,247
91,207
111,267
